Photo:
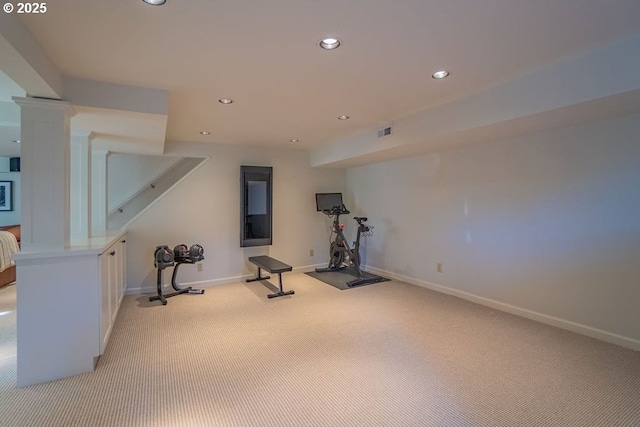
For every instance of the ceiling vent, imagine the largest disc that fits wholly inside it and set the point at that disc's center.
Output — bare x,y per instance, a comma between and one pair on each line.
386,131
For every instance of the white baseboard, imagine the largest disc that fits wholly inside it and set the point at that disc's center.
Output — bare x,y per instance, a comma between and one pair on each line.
197,284
589,331
214,282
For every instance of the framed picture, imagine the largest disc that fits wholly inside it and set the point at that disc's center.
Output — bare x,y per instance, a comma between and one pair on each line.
6,195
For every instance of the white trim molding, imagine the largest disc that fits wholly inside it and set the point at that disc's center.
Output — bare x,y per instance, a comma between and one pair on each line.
589,331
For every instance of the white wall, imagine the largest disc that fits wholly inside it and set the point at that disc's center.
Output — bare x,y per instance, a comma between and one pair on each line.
10,217
205,209
128,173
547,226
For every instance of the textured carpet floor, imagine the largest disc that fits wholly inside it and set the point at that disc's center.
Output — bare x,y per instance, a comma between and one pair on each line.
389,355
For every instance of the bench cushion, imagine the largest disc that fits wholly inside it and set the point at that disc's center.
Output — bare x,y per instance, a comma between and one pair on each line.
270,264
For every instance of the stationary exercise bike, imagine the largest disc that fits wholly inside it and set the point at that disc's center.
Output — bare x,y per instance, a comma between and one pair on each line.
340,254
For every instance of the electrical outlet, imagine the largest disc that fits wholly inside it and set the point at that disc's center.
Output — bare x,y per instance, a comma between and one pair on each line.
310,252
199,266
439,267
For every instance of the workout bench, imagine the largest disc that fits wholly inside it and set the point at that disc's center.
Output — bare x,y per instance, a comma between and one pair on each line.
272,266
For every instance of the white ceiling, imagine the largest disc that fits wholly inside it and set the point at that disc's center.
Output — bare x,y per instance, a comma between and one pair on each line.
265,56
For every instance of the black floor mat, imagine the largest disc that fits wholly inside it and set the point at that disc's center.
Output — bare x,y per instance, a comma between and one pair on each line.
340,278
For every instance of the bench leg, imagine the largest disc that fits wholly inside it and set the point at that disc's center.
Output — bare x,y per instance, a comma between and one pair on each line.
281,293
258,277
176,286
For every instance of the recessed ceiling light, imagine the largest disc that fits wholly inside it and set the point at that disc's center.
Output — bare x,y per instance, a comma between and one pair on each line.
440,74
205,132
155,2
330,43
294,140
343,117
225,101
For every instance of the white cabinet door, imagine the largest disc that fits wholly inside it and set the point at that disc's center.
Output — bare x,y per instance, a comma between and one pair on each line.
105,300
121,258
114,294
112,276
123,267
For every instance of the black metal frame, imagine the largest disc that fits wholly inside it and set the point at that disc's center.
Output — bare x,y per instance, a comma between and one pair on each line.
255,173
178,290
279,271
339,247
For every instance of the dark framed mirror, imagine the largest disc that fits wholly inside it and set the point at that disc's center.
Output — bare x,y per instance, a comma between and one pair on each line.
256,196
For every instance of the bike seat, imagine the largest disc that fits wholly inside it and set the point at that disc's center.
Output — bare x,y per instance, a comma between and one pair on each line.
360,219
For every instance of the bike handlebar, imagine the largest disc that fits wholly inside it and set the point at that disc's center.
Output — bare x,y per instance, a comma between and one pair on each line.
342,210
336,210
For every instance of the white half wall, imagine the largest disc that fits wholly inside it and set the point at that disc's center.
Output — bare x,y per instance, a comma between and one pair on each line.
205,209
546,224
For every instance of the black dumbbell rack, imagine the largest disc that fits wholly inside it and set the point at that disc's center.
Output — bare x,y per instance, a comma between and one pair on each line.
174,283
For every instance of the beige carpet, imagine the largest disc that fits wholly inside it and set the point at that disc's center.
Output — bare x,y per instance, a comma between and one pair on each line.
7,326
382,355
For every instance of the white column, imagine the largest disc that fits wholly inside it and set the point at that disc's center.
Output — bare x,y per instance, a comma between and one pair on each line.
99,190
80,183
45,135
